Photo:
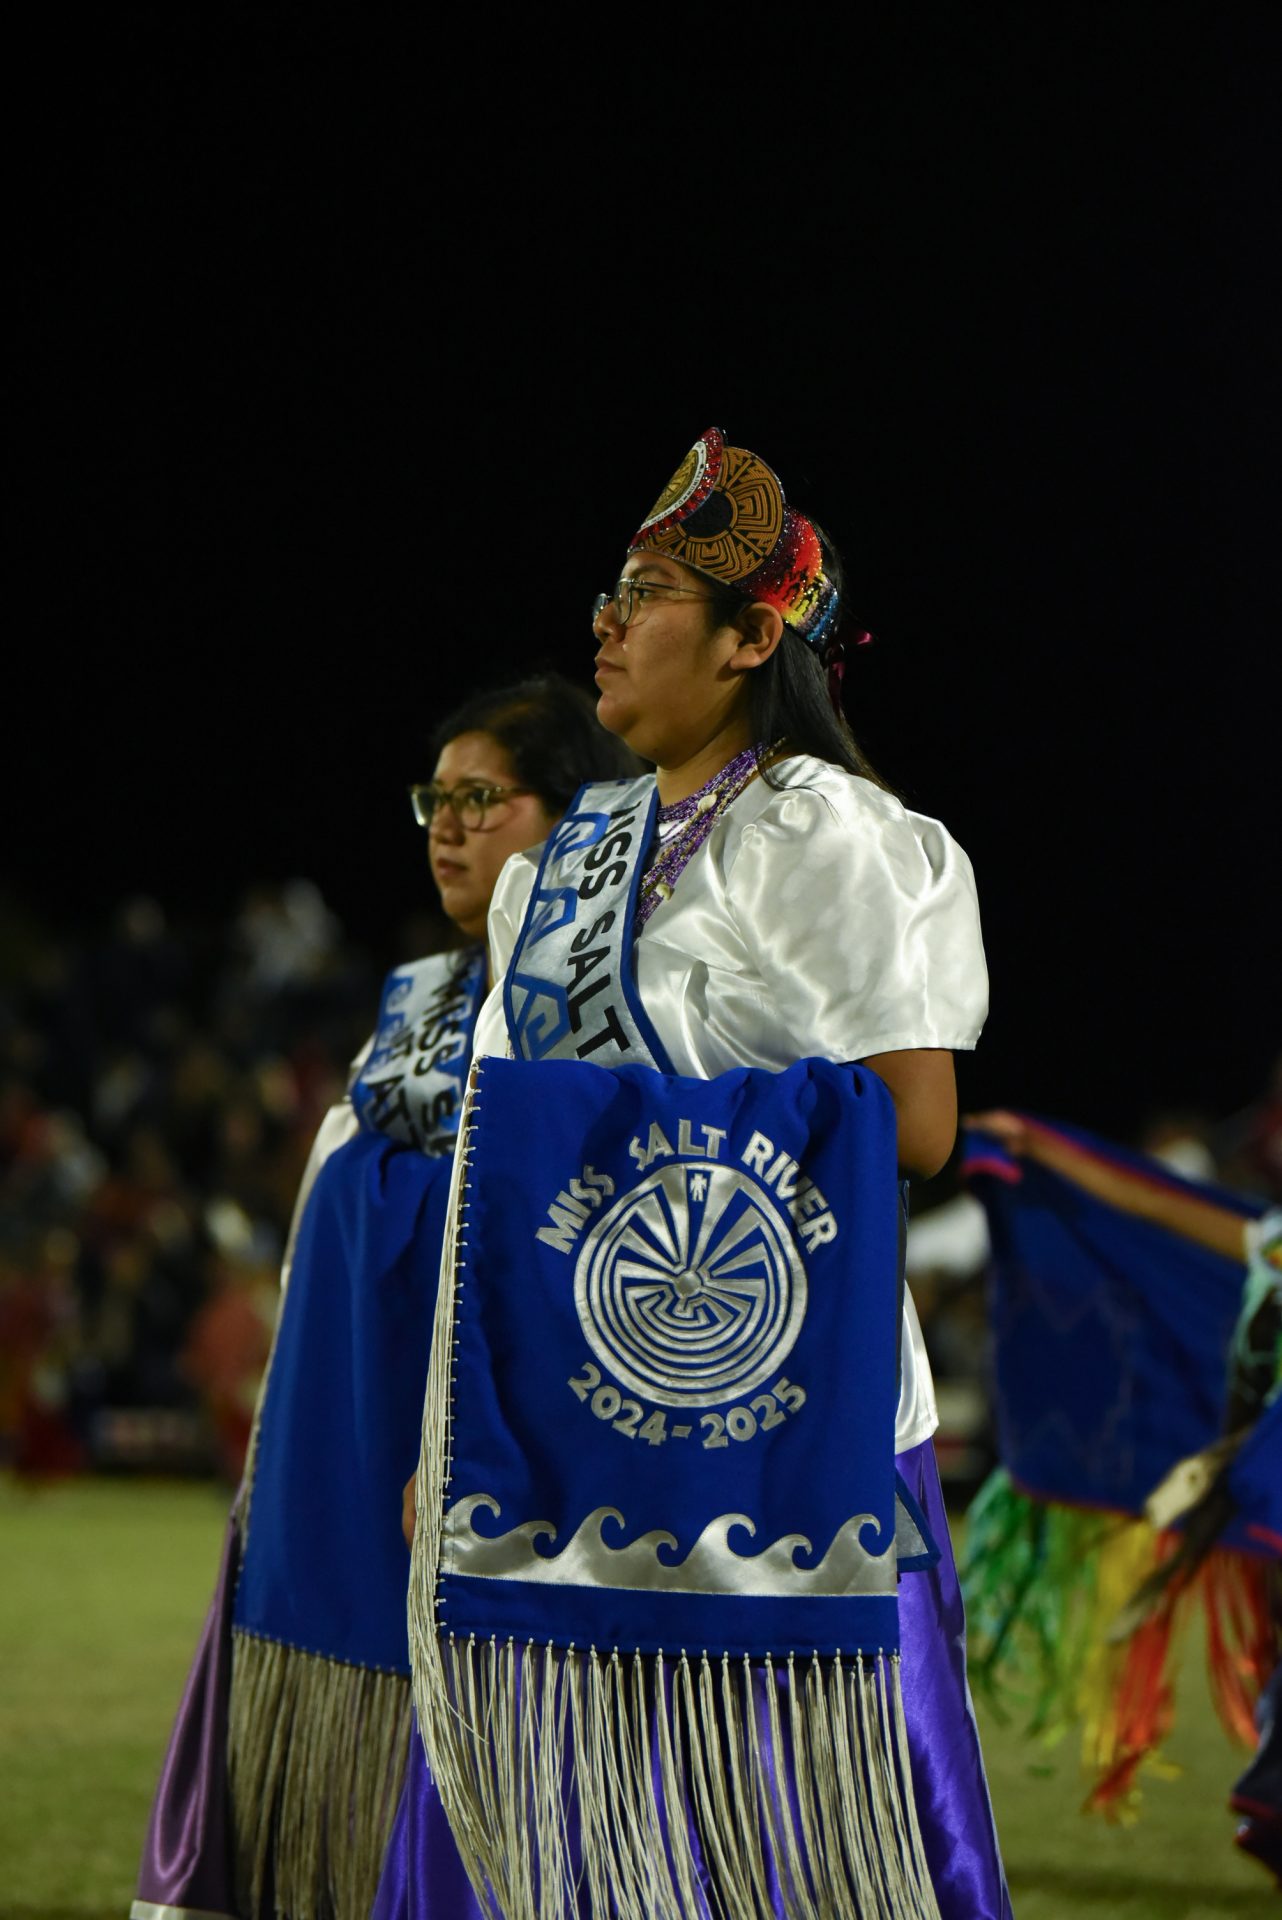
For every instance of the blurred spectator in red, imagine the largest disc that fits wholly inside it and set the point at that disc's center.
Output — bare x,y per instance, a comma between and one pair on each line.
228,1344
39,1338
159,1088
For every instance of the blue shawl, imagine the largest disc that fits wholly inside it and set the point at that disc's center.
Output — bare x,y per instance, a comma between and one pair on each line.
325,1567
658,1447
1111,1333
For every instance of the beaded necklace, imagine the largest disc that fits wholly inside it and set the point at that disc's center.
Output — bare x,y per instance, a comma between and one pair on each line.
682,828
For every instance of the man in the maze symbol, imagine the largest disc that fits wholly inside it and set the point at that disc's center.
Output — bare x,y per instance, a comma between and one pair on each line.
690,1288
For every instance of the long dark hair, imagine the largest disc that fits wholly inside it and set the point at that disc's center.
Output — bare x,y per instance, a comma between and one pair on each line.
788,695
549,731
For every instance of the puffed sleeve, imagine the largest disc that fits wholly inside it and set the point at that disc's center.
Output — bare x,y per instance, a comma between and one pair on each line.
862,920
508,902
507,910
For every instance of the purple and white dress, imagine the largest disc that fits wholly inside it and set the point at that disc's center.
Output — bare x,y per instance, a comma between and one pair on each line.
819,919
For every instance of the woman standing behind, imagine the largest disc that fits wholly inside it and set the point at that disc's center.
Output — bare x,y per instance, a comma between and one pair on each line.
285,1763
788,907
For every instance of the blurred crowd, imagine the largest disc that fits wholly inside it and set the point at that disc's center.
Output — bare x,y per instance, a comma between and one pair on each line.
160,1086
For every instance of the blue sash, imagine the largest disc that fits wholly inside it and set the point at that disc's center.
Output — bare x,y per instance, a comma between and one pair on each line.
570,991
410,1085
325,1566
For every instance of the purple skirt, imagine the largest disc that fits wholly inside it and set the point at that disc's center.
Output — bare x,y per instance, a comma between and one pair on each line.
186,1857
423,1878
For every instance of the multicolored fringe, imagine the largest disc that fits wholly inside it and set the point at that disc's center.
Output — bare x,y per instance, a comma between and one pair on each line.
1045,1586
316,1757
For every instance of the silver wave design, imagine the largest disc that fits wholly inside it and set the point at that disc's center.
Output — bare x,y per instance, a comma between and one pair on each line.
690,1289
711,1566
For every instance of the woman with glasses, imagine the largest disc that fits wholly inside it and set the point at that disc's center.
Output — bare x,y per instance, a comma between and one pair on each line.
285,1765
785,906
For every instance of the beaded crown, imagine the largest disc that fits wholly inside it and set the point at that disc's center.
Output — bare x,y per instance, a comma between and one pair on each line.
724,512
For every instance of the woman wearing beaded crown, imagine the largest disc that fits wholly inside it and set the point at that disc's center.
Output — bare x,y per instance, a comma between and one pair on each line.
285,1764
788,907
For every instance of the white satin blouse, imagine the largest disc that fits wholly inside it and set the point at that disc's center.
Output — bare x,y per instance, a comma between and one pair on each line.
825,920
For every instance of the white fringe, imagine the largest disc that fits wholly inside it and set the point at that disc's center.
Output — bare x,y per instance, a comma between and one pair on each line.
316,1755
563,1770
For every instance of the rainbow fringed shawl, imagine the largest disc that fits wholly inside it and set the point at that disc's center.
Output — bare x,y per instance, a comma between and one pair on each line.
1112,1343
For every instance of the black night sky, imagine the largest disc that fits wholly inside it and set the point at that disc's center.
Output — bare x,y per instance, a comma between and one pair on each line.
352,359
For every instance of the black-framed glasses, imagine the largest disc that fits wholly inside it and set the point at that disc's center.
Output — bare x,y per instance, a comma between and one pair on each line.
631,591
469,801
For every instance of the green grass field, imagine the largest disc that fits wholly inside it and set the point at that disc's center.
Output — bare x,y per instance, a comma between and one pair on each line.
102,1590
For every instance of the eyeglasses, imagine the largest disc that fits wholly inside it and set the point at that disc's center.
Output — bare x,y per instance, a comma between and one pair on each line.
469,801
629,590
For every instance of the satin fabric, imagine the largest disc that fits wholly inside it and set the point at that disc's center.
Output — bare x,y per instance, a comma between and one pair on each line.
423,1878
422,1873
949,1783
186,1858
186,1862
824,920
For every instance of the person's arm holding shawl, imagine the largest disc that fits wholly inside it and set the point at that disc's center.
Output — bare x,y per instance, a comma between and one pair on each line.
1215,1228
1195,1492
